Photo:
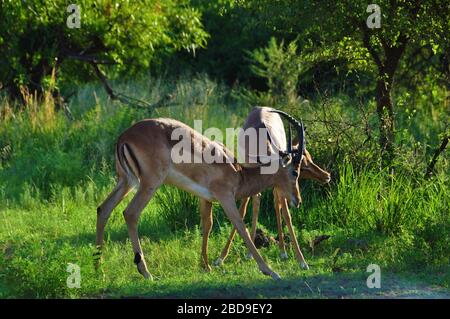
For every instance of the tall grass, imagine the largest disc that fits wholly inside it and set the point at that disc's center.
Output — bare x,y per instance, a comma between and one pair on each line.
178,207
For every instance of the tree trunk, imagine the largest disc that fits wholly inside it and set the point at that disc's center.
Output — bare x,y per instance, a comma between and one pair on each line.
385,108
386,116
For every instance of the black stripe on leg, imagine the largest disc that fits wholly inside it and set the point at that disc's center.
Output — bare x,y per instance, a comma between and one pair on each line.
137,258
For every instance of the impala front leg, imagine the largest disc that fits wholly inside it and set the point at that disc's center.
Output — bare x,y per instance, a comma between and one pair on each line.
288,221
226,249
229,206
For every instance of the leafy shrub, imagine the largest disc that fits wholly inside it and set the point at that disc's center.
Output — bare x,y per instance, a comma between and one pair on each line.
281,66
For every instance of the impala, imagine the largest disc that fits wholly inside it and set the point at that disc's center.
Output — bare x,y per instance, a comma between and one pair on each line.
314,172
144,159
263,117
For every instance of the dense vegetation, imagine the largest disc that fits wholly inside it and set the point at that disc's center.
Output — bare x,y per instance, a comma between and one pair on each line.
57,136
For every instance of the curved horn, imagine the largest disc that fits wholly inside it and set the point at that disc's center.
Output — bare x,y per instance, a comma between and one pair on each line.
288,117
302,144
290,139
300,132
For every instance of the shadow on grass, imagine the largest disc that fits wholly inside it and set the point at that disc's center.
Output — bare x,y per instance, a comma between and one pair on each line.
333,285
120,235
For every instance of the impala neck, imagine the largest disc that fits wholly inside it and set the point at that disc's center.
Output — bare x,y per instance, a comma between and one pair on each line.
253,182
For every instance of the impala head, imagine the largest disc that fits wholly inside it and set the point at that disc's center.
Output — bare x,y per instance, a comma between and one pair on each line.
286,179
309,170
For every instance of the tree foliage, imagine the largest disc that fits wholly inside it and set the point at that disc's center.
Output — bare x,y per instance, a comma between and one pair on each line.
329,30
34,37
333,43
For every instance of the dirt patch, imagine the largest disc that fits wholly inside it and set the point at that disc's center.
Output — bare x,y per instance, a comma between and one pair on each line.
334,285
344,285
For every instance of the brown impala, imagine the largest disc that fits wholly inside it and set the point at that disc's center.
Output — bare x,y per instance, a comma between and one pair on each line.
264,117
144,158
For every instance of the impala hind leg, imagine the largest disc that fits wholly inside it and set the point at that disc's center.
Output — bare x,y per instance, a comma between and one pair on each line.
104,210
232,212
131,215
288,220
226,249
207,221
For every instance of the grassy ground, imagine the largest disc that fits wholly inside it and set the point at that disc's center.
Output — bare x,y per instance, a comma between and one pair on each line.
54,172
38,244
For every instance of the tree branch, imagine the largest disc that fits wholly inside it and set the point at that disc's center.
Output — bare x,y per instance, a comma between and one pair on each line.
366,41
104,80
88,58
430,168
125,98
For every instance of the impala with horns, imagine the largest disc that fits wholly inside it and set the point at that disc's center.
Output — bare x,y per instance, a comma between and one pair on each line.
144,158
266,118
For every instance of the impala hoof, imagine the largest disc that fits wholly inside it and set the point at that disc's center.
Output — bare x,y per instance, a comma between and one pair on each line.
218,262
269,272
145,274
148,276
275,276
141,266
304,265
249,256
284,255
207,268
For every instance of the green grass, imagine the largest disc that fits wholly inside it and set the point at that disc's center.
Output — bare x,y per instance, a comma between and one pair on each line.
38,243
55,171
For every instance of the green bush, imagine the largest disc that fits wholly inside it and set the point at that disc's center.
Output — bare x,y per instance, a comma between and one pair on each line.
281,66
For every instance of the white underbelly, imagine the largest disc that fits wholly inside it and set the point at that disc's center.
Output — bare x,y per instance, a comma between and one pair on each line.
178,179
